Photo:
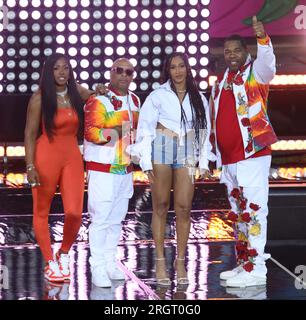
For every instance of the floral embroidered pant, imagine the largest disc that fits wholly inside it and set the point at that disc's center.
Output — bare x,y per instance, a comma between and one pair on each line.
247,182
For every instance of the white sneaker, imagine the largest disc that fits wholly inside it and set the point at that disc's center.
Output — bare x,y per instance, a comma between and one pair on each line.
63,262
225,275
99,277
246,279
113,271
52,272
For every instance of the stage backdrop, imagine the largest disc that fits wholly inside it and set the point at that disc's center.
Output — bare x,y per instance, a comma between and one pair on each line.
281,17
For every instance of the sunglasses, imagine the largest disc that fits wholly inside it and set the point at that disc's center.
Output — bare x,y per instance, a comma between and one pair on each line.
120,70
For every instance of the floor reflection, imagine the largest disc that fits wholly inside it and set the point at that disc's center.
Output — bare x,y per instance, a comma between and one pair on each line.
17,229
204,261
210,251
250,293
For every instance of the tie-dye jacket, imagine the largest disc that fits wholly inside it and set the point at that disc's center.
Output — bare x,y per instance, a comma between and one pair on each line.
250,90
102,144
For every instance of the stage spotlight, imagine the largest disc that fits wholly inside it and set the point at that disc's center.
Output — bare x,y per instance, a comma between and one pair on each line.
109,51
181,25
120,51
290,79
73,63
85,51
278,80
73,39
145,31
181,37
73,27
108,63
60,15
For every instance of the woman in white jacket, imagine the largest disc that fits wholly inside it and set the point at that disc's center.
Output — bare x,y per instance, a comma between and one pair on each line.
172,140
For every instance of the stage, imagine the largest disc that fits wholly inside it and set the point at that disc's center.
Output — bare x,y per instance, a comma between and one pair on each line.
210,249
94,34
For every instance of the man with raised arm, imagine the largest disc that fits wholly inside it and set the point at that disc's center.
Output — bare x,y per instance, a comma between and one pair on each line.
243,136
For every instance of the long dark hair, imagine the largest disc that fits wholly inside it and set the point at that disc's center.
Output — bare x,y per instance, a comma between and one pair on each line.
48,94
197,107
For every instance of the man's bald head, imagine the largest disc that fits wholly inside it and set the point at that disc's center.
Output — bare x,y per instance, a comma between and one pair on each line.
121,75
122,62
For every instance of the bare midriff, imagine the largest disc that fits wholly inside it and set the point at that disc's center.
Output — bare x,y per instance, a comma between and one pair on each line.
166,131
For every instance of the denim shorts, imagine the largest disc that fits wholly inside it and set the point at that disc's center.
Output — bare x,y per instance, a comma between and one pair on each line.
166,150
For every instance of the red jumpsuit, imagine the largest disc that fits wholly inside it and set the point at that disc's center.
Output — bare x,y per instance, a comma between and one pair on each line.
59,162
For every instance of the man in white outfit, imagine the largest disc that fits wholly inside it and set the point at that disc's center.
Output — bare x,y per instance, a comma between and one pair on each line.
109,121
243,136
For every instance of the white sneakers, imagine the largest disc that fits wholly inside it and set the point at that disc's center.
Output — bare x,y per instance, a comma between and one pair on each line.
58,270
246,279
225,275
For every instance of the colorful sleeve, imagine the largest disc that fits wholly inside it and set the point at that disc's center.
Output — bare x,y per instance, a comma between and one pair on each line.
264,41
95,113
264,67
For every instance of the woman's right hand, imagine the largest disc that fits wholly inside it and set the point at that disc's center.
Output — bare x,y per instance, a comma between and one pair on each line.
33,177
150,175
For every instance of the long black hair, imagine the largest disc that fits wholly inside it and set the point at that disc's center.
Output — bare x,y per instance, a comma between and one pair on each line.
197,107
48,94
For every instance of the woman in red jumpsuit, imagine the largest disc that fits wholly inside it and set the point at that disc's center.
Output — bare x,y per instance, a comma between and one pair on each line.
53,158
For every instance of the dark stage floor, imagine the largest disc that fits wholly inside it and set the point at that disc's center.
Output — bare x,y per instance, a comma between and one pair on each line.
210,251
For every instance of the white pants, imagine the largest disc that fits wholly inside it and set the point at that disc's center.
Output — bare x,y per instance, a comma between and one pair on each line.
108,199
253,176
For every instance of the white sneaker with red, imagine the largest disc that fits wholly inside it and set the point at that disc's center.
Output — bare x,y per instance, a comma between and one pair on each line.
53,273
63,262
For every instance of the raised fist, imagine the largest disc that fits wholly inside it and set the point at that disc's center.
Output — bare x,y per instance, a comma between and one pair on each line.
258,28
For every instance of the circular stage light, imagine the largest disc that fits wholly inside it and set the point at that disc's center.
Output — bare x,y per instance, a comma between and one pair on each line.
91,31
